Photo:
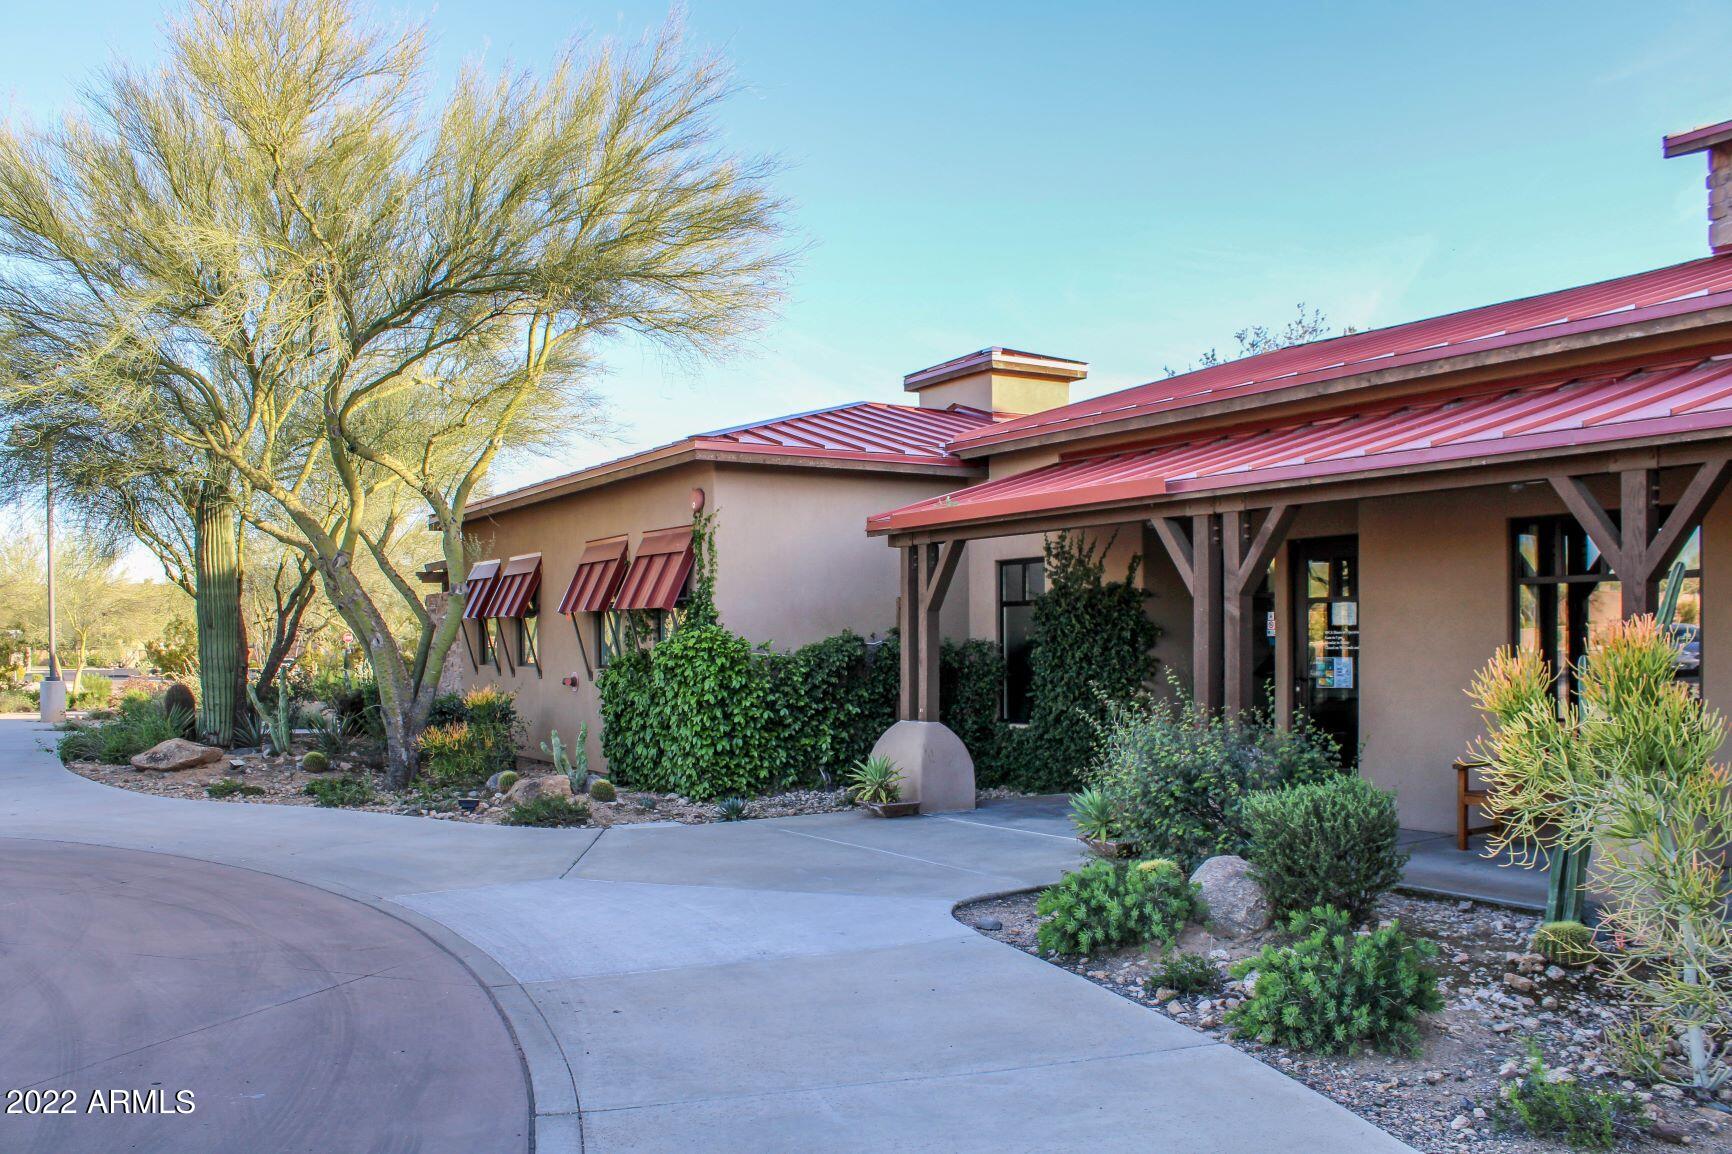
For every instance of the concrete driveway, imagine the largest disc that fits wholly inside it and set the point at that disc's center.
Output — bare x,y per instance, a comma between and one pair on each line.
784,985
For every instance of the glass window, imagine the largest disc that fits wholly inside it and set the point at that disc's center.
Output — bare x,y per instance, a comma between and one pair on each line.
611,632
1566,596
529,639
483,642
1020,584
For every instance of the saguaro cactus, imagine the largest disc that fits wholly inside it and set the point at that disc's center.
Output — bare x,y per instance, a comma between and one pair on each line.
222,642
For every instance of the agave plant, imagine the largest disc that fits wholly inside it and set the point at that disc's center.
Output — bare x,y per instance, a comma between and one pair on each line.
1095,815
731,809
875,781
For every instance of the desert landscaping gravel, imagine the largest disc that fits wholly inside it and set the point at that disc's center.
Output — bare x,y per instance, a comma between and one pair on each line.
1497,996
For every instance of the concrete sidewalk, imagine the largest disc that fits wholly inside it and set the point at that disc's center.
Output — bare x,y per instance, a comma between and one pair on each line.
782,985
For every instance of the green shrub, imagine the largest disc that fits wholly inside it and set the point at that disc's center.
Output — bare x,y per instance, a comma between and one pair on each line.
1091,645
315,761
549,811
455,756
1565,943
1179,775
875,780
1333,991
1325,843
339,791
229,787
492,717
93,691
601,789
1106,904
1579,1115
629,734
1186,974
718,723
139,723
19,701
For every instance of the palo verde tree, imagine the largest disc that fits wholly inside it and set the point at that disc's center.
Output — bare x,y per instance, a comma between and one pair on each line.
287,254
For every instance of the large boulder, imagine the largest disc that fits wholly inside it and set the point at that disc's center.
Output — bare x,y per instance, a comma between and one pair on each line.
535,788
1237,904
176,753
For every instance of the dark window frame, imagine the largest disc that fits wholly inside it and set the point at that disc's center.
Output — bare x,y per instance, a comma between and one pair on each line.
1013,708
1566,558
529,636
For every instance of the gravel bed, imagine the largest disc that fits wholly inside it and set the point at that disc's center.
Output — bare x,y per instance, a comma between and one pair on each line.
283,780
1496,997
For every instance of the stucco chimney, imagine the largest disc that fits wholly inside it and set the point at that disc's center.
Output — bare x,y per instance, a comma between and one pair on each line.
1716,141
999,380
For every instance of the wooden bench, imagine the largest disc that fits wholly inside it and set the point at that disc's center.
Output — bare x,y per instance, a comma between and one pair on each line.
1466,797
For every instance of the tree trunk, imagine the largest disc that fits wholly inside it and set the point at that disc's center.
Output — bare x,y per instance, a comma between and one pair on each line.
222,641
398,699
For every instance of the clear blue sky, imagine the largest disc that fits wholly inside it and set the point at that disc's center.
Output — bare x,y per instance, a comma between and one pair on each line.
1123,183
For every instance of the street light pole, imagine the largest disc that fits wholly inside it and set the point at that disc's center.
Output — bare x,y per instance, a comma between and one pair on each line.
52,701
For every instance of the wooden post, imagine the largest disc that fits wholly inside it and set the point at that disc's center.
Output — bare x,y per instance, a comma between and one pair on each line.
1206,610
1247,552
908,612
1197,557
1636,551
938,566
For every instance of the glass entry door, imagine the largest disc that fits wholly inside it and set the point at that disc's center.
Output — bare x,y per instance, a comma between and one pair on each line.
1326,667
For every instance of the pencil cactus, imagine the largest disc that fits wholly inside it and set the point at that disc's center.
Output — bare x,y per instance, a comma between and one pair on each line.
1627,769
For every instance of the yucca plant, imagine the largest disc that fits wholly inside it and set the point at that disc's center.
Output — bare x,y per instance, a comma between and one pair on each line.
875,781
1095,816
1627,769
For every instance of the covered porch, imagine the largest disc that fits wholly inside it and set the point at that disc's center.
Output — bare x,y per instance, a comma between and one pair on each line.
1357,571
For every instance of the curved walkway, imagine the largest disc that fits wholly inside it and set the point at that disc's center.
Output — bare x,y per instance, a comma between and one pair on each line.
784,985
287,1013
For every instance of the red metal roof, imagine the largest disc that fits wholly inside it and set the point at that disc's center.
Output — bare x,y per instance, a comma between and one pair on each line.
477,588
599,572
656,577
868,433
515,586
1683,288
1658,401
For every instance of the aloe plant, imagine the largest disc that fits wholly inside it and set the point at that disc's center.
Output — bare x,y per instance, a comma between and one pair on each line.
875,781
1095,816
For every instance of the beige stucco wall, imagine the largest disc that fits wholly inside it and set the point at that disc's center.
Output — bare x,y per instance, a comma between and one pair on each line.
794,565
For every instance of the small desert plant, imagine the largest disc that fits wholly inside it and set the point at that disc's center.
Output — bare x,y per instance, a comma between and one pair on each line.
139,723
1580,1116
571,760
1628,769
1326,843
315,761
1333,991
1106,904
279,723
875,781
549,811
1094,815
339,791
229,787
456,755
332,732
1566,943
601,789
732,809
508,779
1185,973
1635,1052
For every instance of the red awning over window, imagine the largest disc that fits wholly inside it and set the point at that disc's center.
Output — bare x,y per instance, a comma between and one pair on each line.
599,572
515,587
478,588
655,579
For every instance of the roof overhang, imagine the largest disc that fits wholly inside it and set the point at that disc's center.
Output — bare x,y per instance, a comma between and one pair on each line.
1661,328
